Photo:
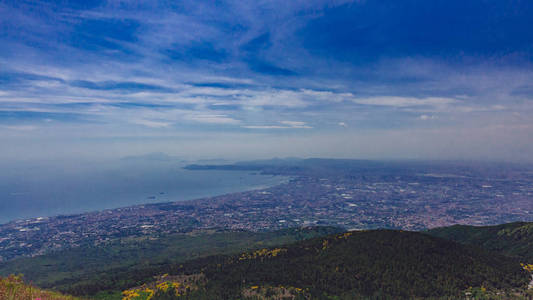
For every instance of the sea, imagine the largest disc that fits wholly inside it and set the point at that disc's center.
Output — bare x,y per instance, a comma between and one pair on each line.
29,190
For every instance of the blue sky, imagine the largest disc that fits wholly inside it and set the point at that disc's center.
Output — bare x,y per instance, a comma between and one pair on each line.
245,79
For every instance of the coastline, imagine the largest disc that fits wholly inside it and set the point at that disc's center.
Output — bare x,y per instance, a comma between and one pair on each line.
164,198
49,234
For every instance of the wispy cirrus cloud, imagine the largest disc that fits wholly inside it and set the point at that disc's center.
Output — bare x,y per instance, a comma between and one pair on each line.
236,66
20,127
282,125
152,123
212,119
405,101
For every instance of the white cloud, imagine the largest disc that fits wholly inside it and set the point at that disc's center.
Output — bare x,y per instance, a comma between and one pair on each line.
342,124
20,127
151,123
427,117
265,127
212,119
327,95
295,124
285,125
498,107
404,101
280,98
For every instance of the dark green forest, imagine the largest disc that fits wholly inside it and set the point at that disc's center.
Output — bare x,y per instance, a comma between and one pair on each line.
512,239
379,264
124,263
301,263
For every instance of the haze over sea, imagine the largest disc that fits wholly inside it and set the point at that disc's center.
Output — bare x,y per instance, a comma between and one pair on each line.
51,188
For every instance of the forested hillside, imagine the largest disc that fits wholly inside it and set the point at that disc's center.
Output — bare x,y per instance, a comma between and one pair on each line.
123,263
377,264
305,263
513,239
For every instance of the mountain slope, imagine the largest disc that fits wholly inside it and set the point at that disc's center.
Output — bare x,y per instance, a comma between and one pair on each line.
380,263
513,239
130,261
13,288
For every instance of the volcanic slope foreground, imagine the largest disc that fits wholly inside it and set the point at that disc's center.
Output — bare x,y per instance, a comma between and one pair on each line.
376,264
512,239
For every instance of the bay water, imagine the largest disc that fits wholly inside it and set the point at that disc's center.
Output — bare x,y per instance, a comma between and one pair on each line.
29,190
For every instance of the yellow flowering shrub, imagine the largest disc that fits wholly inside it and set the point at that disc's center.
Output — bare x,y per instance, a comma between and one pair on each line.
164,286
273,292
325,244
262,253
527,267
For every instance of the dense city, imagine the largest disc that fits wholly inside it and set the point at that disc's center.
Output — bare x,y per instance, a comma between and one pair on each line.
409,201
